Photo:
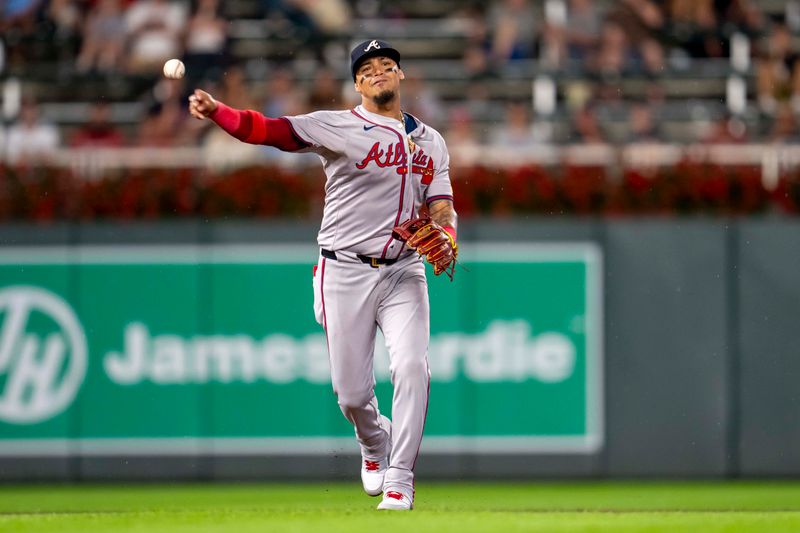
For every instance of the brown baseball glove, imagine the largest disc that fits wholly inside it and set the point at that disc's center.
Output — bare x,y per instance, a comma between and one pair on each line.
430,240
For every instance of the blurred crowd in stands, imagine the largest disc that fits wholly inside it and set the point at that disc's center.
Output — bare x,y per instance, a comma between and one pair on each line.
619,72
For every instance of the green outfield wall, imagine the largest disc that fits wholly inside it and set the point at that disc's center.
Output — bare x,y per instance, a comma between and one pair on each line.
563,348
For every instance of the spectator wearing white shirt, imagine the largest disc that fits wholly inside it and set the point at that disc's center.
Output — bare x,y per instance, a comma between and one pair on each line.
155,29
30,141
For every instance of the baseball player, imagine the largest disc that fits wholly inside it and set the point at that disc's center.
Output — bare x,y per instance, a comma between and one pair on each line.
383,167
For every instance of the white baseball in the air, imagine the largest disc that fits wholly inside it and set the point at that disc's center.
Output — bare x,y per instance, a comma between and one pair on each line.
174,69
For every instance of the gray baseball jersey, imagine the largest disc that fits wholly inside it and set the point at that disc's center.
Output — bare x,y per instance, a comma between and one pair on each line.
371,183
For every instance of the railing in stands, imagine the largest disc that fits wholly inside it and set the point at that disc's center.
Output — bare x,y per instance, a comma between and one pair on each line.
771,158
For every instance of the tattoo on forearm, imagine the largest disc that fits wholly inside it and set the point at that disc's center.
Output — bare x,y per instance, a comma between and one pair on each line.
442,213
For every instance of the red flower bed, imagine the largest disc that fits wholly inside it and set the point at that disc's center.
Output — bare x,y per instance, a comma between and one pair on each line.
266,191
787,194
693,188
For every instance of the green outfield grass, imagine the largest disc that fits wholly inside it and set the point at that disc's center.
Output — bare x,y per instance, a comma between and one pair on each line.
441,507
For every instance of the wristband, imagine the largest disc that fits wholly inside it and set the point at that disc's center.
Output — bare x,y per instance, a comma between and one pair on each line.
450,231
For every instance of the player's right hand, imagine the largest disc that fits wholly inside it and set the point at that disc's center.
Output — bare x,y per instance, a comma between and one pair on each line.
201,104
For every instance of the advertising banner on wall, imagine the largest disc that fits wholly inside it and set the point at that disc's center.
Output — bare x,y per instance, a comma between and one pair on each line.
215,350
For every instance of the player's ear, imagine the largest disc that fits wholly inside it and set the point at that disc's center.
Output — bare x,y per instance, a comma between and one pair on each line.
358,89
401,74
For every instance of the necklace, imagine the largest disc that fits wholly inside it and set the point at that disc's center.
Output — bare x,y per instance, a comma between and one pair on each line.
411,144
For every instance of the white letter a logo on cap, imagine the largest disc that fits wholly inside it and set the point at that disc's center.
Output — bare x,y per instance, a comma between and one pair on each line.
374,44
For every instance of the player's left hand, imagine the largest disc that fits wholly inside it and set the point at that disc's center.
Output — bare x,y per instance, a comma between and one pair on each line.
430,240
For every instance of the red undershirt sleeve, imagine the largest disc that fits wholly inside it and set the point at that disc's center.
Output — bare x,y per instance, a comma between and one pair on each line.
254,128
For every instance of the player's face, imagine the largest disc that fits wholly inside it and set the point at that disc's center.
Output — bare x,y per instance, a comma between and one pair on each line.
377,75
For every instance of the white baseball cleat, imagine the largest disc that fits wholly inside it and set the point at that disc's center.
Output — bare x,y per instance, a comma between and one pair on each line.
373,472
394,500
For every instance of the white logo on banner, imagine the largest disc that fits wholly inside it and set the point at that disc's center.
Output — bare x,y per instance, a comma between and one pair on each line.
505,351
39,374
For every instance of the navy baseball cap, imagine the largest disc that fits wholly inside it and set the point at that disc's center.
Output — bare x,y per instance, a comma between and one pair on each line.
371,48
